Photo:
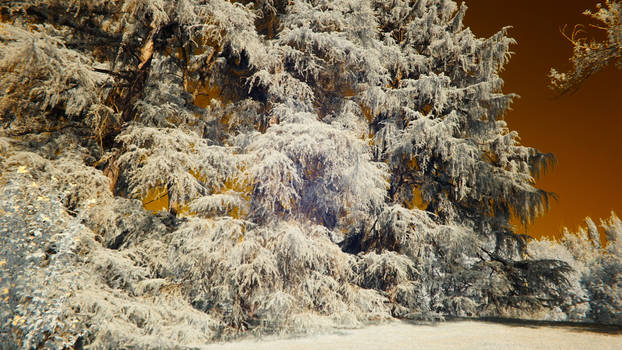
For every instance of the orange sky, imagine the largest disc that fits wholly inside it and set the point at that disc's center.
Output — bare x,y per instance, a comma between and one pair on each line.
583,130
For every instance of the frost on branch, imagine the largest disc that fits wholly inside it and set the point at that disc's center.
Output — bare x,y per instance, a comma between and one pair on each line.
308,169
596,280
40,75
276,278
590,55
185,164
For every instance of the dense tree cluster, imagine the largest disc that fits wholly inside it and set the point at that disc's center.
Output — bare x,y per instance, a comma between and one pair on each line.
596,279
320,164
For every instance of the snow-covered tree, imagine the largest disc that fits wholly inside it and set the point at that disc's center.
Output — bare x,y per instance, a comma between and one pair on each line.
596,280
591,55
440,126
290,143
436,120
605,283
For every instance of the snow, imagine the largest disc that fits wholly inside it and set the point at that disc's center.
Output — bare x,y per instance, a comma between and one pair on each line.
459,335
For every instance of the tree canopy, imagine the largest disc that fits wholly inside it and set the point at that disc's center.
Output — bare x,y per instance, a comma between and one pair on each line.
322,164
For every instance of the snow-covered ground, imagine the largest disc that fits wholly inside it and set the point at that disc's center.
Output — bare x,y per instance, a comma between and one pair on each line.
461,335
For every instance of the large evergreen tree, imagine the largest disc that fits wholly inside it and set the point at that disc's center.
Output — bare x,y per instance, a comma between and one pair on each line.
322,163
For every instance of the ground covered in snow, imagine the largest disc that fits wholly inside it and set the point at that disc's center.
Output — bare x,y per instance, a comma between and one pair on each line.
455,335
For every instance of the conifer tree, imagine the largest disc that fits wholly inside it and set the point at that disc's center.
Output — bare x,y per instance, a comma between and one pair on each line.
596,280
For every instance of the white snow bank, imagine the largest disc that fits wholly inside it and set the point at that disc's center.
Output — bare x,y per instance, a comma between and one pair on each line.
462,335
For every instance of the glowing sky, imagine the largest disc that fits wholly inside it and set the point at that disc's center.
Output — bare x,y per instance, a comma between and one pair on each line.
583,130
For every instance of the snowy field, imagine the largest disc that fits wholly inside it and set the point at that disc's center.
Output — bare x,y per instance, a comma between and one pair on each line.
460,335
